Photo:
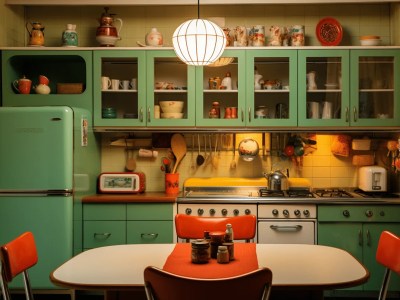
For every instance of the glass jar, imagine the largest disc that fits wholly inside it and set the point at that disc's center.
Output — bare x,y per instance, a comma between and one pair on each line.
217,238
200,252
215,112
223,255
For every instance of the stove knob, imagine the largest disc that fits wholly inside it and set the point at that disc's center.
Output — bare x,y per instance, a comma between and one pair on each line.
224,212
212,211
286,213
236,212
306,212
369,213
200,211
247,211
346,213
297,213
275,212
188,211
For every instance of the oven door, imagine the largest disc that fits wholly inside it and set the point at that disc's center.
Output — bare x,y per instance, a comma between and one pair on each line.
286,232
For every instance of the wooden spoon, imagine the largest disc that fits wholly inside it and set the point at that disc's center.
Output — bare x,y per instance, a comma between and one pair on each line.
178,146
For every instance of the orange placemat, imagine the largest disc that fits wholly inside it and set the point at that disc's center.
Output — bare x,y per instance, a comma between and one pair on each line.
179,262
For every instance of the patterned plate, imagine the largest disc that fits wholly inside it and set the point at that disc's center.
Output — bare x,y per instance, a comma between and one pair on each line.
329,32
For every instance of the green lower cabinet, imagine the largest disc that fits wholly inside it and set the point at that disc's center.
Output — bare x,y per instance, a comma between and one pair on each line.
103,233
359,235
149,232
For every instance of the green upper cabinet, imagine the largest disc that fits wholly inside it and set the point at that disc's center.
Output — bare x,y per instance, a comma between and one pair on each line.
116,105
169,79
323,87
222,84
375,85
69,73
271,88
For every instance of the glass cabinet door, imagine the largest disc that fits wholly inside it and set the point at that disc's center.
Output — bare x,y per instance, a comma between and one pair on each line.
170,90
323,80
119,88
271,88
375,88
220,91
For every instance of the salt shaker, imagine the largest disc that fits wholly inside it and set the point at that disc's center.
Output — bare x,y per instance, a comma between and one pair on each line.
229,233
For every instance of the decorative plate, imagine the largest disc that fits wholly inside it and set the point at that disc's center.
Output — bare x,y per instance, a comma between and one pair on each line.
329,32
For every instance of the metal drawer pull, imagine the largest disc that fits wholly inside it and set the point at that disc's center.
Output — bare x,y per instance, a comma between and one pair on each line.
104,235
287,228
149,235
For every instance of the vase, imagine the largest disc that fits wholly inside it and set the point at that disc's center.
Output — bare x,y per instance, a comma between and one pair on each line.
69,36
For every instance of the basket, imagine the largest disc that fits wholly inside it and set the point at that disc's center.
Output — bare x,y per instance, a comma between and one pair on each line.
69,88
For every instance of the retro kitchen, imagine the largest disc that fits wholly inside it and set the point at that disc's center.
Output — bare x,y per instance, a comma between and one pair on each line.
110,130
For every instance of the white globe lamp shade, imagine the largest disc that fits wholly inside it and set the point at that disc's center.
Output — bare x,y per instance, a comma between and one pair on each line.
199,42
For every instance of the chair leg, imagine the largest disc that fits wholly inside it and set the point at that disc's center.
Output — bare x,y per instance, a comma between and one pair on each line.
27,286
4,287
385,284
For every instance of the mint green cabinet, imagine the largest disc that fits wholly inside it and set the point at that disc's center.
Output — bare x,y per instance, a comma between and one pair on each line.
61,67
169,79
129,104
357,229
271,88
112,224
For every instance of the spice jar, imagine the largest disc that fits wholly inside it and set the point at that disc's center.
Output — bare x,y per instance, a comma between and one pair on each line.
200,252
215,112
217,238
223,255
230,247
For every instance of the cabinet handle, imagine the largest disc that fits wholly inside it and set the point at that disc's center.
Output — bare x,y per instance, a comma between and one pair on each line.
286,228
141,114
103,235
368,238
355,114
149,235
347,114
360,238
148,114
249,114
242,114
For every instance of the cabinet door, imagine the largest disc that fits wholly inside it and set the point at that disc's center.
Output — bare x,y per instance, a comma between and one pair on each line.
151,211
224,84
323,87
119,107
271,88
149,232
375,87
372,233
103,233
169,79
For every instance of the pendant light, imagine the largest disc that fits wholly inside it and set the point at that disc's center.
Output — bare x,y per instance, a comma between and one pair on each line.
199,42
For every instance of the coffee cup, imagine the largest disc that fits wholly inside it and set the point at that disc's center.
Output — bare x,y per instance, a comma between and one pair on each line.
105,83
23,85
115,84
124,84
133,84
313,110
326,110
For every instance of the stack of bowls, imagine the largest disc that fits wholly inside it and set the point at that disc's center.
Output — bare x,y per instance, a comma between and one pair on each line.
171,109
370,40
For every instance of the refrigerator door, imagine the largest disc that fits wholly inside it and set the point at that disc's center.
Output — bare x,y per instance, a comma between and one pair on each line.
36,149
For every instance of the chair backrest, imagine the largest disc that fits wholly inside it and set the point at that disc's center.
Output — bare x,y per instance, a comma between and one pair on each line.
17,256
162,285
388,255
193,227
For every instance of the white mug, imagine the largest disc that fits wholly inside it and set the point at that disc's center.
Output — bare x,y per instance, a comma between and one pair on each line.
124,84
105,83
115,84
134,84
326,110
313,110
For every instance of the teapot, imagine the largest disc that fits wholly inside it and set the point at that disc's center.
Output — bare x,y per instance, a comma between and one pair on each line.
106,34
36,34
43,86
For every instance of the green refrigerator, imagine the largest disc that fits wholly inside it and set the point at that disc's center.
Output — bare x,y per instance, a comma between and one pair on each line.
49,159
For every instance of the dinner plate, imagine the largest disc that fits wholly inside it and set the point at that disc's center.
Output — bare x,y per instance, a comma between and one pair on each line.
329,32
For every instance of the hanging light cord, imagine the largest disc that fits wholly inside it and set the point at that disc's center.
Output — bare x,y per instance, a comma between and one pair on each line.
198,9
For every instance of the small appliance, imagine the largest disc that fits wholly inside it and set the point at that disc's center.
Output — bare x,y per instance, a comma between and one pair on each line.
372,179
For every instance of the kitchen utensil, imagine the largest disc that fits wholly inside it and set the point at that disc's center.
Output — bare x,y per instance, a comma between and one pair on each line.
372,179
166,164
248,149
215,157
329,32
130,164
277,181
178,146
200,158
233,162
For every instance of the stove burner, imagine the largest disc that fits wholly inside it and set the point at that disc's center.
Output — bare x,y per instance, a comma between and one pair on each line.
300,194
332,193
269,193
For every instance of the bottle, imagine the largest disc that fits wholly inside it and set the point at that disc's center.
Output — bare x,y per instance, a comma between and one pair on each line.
69,36
215,112
227,81
229,233
223,255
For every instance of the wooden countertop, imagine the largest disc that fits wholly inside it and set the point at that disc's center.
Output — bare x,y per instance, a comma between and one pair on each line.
147,197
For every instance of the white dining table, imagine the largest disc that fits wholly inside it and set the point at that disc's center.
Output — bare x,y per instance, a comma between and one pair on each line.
294,266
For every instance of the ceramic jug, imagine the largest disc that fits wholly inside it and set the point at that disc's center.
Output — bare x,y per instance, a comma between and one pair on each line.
107,34
69,36
154,38
36,34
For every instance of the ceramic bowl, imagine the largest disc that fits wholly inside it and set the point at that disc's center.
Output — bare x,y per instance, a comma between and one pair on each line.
248,149
171,106
370,40
171,115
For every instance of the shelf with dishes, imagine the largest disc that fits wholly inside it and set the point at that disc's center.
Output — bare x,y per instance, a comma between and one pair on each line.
119,91
220,91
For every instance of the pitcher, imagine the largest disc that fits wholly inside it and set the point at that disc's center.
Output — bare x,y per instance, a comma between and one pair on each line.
36,34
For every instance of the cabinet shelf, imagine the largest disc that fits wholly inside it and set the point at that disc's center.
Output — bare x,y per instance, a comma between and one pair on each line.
325,91
271,91
170,91
220,91
119,91
376,90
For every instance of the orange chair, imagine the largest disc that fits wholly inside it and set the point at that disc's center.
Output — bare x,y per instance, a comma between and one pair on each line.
388,255
193,227
17,257
162,285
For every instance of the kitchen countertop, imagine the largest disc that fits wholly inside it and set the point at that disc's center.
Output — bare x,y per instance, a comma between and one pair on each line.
147,197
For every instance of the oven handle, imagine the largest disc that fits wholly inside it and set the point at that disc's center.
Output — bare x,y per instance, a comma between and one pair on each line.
286,228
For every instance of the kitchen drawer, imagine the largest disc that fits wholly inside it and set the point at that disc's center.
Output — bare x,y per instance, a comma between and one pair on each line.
103,233
151,211
104,212
359,213
149,232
